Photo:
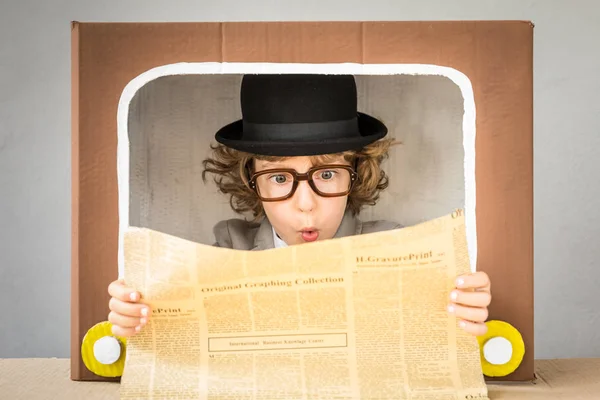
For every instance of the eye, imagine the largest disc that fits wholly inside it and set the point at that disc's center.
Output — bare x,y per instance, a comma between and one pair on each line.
327,175
280,178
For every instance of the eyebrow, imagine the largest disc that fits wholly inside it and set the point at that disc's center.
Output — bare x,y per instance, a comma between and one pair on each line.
316,161
269,164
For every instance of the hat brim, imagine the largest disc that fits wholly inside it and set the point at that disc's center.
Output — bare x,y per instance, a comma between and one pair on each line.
371,130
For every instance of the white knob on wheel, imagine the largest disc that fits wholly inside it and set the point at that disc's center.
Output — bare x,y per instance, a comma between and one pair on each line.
498,350
107,350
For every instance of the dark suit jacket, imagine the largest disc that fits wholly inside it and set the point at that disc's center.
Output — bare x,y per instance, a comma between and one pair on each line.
243,235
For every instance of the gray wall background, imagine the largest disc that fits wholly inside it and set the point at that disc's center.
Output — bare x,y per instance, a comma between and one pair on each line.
35,152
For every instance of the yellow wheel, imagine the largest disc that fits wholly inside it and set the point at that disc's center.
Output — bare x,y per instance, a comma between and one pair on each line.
501,349
102,352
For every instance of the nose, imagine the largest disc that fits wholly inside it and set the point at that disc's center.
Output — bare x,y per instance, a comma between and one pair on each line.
305,197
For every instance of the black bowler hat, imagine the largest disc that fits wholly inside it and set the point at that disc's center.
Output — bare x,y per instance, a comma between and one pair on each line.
300,115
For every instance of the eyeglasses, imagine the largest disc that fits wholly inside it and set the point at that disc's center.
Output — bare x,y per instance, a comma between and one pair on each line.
325,180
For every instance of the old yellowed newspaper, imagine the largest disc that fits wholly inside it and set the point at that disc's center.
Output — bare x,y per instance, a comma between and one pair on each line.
360,317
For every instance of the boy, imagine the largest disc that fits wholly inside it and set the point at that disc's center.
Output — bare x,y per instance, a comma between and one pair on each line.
304,162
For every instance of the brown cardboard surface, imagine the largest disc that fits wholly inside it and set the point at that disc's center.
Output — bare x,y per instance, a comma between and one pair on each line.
567,379
37,379
495,55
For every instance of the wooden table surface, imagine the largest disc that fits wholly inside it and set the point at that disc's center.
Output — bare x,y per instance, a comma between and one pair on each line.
49,378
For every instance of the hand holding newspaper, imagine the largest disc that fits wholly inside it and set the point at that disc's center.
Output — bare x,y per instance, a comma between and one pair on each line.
360,317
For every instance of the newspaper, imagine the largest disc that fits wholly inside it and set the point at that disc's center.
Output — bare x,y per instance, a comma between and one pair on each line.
360,317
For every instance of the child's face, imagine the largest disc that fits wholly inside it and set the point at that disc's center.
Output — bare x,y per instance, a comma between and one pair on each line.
306,216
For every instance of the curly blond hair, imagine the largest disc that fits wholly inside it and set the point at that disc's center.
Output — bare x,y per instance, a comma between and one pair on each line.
230,169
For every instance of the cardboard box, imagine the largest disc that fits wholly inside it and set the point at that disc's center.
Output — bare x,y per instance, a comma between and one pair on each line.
147,98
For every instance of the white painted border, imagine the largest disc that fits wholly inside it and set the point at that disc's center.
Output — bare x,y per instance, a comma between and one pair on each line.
460,79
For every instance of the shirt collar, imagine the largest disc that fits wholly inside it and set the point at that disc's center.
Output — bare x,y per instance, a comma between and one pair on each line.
277,240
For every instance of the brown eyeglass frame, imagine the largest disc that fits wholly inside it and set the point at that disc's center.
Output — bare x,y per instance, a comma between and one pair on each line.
307,176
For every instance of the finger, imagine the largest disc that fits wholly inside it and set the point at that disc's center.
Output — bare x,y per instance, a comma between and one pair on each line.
124,332
472,299
125,321
118,290
475,314
474,328
129,309
476,280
